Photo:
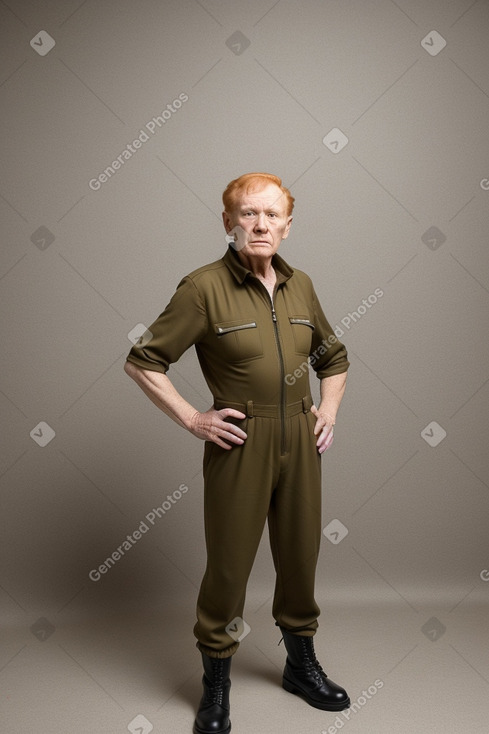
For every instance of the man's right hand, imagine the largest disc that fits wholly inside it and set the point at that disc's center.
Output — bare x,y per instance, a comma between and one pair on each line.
211,426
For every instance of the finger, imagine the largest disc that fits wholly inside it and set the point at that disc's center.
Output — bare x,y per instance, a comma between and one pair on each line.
225,438
320,423
318,427
231,413
233,437
221,443
229,427
329,441
233,430
325,438
227,432
325,434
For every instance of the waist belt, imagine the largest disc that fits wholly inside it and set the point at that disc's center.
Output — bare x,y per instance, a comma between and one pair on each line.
252,409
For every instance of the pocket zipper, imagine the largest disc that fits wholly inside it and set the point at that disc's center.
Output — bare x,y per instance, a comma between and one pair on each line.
225,330
306,322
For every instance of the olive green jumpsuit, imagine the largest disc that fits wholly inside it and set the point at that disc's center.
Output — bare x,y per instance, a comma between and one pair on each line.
254,357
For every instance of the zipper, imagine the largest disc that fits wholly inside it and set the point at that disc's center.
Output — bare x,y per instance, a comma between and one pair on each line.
306,322
282,380
283,446
225,330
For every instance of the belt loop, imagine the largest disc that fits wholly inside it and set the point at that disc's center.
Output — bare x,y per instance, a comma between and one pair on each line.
249,408
306,404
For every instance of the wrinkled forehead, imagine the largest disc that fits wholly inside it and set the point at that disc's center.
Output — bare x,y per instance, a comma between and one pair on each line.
270,197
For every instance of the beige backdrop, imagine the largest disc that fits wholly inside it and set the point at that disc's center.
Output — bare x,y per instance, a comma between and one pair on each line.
375,115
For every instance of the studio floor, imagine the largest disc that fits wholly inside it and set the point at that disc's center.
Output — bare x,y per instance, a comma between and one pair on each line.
138,671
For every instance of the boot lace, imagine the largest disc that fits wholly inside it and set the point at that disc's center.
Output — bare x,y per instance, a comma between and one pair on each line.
311,663
215,687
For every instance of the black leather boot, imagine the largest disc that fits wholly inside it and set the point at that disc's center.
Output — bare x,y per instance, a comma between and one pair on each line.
213,714
304,676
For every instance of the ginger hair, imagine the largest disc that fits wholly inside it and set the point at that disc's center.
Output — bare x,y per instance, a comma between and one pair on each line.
253,182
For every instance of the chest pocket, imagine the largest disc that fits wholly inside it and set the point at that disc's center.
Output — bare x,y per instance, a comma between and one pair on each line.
239,341
302,329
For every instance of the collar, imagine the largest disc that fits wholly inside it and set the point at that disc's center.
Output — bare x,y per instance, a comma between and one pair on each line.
233,263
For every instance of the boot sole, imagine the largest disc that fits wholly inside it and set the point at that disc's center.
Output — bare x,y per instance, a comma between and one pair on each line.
196,730
292,688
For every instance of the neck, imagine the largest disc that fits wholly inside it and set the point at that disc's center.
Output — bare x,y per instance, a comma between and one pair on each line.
260,267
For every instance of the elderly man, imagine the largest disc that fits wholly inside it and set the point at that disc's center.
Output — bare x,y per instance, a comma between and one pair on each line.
256,324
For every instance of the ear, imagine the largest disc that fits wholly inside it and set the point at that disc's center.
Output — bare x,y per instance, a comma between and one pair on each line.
227,222
287,228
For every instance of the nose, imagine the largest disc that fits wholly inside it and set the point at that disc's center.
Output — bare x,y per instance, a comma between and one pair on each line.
261,223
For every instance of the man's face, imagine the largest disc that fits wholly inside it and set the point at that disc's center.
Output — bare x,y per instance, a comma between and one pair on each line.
259,221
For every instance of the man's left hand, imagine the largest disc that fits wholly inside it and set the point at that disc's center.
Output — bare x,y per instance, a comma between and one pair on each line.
323,429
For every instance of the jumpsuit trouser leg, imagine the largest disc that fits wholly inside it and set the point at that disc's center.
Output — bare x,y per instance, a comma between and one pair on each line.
243,487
